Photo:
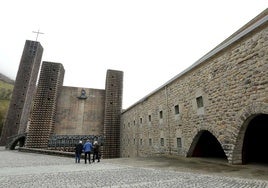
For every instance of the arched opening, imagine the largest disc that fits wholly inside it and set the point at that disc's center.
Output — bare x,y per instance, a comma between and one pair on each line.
18,142
208,146
256,140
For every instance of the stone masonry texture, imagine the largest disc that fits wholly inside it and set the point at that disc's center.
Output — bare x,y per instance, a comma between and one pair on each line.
233,86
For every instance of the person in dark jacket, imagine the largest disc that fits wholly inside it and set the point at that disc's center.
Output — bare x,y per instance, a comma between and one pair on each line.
78,151
87,149
96,151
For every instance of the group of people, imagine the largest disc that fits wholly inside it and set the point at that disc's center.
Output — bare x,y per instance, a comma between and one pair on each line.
87,148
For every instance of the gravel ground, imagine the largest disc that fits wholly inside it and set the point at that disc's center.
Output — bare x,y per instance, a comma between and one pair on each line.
19,169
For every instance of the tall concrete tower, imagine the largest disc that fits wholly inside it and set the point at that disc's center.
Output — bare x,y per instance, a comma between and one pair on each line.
23,92
112,113
44,108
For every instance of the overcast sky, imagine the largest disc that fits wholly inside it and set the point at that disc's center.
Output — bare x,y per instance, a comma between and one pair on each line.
151,41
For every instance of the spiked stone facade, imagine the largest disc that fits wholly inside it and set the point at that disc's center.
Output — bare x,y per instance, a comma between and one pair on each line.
44,108
24,88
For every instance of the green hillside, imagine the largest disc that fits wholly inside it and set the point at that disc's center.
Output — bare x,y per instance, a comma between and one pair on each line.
5,96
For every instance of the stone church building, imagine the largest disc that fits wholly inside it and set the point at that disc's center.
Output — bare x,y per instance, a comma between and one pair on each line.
218,107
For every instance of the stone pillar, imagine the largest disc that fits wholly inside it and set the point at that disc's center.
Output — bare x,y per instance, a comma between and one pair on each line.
44,110
23,92
112,113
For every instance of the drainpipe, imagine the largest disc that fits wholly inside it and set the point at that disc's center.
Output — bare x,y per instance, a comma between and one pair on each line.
167,121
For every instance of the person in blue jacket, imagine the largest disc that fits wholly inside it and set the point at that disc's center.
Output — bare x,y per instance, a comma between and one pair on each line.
87,149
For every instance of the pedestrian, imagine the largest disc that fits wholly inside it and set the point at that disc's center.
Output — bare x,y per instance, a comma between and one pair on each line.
78,151
96,151
87,150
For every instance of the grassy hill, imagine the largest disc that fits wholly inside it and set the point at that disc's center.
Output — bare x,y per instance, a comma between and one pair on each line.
6,88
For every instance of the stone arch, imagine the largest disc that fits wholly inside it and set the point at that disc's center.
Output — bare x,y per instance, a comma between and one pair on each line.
205,144
244,119
18,140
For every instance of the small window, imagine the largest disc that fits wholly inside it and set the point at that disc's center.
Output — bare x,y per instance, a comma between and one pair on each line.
150,141
199,101
140,120
162,142
134,141
134,122
140,141
161,114
177,110
150,118
179,143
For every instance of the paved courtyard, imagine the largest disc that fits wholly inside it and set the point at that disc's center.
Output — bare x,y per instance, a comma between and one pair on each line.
19,169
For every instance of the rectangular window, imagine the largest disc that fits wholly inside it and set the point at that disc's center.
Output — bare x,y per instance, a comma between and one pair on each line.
134,122
140,141
179,143
177,110
134,141
199,101
150,118
140,120
162,142
161,114
150,141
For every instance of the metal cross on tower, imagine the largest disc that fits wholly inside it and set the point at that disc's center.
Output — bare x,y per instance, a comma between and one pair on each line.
37,33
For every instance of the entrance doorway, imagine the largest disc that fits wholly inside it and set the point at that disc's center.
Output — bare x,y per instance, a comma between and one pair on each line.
255,145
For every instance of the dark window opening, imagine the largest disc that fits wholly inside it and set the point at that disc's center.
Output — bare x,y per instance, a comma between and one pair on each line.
161,114
199,101
176,108
162,142
179,145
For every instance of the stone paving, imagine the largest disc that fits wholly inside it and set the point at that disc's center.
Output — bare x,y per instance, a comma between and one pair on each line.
19,169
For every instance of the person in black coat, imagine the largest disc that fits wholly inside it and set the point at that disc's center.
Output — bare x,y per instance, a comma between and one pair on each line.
78,151
96,151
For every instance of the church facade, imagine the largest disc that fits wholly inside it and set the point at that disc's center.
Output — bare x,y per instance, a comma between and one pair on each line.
218,107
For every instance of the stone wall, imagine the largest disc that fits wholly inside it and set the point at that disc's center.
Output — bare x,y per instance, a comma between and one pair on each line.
218,94
80,115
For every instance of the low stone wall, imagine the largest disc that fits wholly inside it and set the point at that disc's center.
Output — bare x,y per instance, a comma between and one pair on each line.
48,152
